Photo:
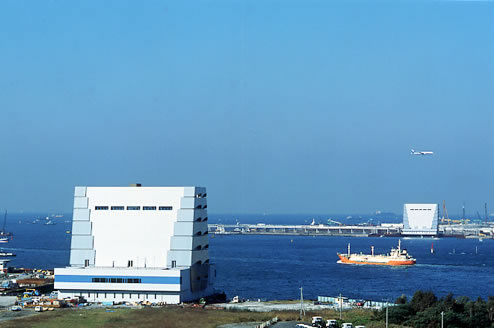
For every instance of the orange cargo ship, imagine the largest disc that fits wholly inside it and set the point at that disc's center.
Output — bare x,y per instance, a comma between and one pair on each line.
396,256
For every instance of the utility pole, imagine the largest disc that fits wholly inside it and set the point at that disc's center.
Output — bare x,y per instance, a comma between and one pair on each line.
463,208
341,304
386,314
442,319
302,310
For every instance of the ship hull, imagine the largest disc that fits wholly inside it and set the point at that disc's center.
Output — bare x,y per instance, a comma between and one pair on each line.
393,262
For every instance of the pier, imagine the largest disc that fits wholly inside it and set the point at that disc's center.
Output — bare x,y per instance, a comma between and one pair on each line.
320,229
386,230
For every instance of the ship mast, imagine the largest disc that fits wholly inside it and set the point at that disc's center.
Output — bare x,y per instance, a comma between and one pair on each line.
4,222
348,249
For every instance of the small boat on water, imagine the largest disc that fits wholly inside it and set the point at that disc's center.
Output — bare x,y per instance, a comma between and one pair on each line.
396,256
6,254
4,239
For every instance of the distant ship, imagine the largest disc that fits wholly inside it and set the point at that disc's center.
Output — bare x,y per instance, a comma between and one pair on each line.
4,235
396,256
6,254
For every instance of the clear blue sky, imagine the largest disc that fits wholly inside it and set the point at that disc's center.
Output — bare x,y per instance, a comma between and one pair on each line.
275,106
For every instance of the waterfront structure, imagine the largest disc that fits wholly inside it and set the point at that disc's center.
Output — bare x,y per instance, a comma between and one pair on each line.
420,219
138,244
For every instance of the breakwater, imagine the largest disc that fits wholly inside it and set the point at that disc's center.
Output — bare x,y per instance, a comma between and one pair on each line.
384,230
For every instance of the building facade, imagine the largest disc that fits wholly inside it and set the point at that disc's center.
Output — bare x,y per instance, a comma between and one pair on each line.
420,219
138,244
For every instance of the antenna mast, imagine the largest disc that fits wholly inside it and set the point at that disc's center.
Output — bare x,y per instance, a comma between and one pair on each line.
445,212
485,207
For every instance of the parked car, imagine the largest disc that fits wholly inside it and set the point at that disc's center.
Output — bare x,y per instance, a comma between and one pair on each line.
347,325
317,322
15,308
38,309
331,323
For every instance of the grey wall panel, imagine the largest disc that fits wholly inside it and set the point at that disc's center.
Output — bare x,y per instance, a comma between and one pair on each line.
183,229
182,258
78,257
80,202
81,228
186,215
189,191
181,243
80,192
82,242
187,202
81,214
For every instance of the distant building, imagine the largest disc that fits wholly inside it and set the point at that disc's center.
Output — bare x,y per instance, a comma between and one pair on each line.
420,219
138,244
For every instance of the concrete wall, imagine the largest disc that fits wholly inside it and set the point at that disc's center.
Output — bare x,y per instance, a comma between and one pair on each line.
420,218
105,239
144,237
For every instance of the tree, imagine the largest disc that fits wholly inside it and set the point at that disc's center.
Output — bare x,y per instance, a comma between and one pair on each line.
401,300
423,300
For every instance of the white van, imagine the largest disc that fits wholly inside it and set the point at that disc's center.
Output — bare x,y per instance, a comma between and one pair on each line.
347,325
317,320
331,323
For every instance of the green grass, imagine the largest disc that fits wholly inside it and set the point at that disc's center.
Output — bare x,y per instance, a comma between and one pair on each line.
173,317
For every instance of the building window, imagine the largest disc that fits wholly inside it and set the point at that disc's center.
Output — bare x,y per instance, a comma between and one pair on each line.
149,208
166,208
133,208
130,263
174,264
117,280
86,263
118,208
101,208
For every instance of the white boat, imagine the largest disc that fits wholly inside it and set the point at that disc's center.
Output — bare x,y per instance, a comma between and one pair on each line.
6,254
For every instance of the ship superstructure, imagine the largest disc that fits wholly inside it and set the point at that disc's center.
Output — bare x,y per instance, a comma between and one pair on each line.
396,256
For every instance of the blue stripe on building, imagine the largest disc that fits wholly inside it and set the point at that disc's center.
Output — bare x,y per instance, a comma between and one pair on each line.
144,280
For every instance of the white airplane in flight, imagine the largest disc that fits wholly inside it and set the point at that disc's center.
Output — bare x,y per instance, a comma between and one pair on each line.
413,152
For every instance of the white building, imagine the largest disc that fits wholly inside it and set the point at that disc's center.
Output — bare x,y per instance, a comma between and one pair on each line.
420,219
138,244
